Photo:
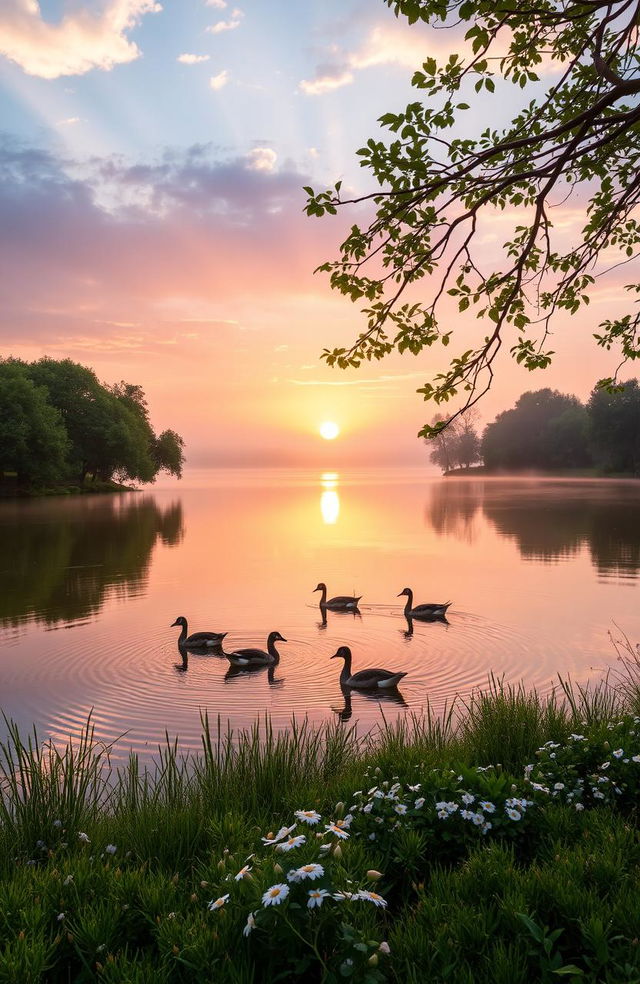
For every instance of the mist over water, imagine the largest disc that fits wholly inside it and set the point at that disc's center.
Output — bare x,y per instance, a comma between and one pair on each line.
538,570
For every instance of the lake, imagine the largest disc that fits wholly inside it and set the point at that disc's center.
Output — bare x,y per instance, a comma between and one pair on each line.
539,572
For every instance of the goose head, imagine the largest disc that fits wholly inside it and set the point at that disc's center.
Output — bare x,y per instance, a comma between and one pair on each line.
342,653
181,620
321,587
405,591
275,637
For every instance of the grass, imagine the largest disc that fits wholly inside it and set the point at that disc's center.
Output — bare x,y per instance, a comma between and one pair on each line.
108,874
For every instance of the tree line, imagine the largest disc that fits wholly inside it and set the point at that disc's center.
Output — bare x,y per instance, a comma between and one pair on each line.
549,431
60,425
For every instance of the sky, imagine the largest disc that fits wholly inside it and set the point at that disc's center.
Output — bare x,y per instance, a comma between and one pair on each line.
152,161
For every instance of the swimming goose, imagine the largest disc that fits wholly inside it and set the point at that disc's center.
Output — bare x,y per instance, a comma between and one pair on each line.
365,679
257,657
422,611
341,603
197,640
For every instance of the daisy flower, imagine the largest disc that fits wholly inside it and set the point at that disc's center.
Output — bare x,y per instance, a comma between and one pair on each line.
400,808
619,752
366,896
414,789
251,925
310,871
487,806
316,897
275,894
84,838
283,832
308,816
513,814
289,845
419,802
333,828
218,903
243,873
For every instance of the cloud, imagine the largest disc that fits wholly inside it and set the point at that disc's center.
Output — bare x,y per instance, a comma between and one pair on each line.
262,159
183,236
187,59
227,25
82,40
390,44
219,4
70,121
220,80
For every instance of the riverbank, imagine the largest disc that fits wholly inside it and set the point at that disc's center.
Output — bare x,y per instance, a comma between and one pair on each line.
481,472
9,489
496,844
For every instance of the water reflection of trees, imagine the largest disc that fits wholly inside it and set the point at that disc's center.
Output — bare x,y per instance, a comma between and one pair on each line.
548,521
61,562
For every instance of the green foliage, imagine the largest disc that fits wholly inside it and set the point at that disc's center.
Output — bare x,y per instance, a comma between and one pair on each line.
545,430
60,424
438,183
614,422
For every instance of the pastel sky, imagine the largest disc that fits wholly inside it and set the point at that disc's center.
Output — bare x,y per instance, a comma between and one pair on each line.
152,159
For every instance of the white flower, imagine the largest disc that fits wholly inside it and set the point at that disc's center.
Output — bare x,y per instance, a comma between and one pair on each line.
68,880
333,828
384,948
84,838
513,814
619,752
443,814
57,823
635,758
419,802
308,816
414,789
558,785
605,765
283,832
468,799
598,795
275,894
60,917
291,843
467,814
367,808
487,825
367,896
487,806
243,873
316,897
310,871
577,737
251,925
218,903
400,808
579,806
110,849
477,818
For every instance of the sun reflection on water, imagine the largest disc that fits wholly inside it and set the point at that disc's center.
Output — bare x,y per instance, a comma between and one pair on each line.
329,499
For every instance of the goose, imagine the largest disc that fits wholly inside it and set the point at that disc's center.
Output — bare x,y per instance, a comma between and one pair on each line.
372,679
197,640
422,611
341,603
257,657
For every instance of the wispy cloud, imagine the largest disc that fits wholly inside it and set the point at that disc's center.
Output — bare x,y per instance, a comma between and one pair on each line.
219,4
234,21
82,40
220,80
377,381
70,121
187,59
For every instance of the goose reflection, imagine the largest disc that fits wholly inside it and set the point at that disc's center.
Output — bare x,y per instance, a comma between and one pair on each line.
322,624
381,697
329,499
408,632
253,671
184,665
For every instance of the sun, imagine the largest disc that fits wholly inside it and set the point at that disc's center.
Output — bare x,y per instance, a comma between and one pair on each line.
329,430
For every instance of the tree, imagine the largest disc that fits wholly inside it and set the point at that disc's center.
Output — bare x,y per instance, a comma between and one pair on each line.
455,446
168,453
545,430
614,420
437,190
33,440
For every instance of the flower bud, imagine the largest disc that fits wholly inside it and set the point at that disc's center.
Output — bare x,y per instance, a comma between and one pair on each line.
373,960
277,868
221,865
374,875
337,851
340,810
607,745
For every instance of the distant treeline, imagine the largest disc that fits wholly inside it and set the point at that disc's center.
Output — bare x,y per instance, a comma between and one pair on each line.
60,426
550,431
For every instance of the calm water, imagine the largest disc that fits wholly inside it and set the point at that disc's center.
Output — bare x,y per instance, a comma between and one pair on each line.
538,571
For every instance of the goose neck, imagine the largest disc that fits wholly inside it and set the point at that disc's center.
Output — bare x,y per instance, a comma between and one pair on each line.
409,604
